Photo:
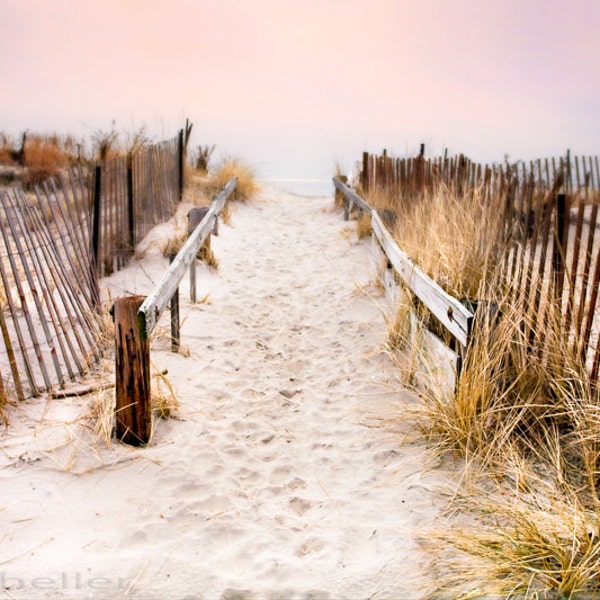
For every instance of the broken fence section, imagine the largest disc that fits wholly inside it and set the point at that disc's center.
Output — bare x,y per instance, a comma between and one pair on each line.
55,242
49,304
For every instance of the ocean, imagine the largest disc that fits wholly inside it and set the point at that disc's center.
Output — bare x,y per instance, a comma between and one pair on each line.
302,187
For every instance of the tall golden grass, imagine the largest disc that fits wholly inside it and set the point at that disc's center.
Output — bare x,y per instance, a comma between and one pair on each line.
247,186
42,155
526,422
456,240
6,149
46,156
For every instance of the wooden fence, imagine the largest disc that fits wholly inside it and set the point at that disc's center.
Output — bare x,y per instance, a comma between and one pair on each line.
49,315
131,194
550,220
54,245
414,175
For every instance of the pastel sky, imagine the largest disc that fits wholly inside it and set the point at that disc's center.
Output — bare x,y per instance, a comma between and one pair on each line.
294,86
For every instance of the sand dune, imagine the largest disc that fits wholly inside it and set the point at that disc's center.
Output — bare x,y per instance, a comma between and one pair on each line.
286,473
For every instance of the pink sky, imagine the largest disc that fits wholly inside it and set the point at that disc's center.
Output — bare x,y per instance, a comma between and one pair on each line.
292,86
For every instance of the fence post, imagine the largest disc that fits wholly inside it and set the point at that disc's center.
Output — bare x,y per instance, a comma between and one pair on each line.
365,173
133,411
96,223
560,246
181,163
130,207
345,202
174,307
193,298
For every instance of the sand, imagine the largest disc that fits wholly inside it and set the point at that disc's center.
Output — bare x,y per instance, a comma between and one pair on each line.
287,472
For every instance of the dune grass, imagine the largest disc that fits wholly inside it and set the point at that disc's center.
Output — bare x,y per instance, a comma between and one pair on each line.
363,226
523,417
41,156
537,543
247,186
456,239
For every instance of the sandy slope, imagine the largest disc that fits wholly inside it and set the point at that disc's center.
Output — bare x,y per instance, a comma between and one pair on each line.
285,475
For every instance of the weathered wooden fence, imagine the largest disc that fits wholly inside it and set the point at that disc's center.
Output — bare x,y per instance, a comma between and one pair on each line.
550,219
54,245
553,272
49,315
413,176
135,318
131,194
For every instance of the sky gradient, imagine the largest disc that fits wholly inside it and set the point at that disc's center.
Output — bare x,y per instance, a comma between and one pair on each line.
295,86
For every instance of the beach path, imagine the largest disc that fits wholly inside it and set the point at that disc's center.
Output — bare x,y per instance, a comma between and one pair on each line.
288,472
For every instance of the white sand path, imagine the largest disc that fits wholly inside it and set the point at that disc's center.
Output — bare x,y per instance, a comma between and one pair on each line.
285,475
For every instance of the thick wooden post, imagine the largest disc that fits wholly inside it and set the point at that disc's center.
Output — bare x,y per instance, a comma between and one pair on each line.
133,409
339,198
193,297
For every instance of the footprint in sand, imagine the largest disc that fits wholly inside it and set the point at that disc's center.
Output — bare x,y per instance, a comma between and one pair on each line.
235,452
296,484
231,594
247,475
136,538
299,505
310,546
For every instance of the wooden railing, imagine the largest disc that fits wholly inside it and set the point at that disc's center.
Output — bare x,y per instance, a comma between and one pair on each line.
136,317
457,319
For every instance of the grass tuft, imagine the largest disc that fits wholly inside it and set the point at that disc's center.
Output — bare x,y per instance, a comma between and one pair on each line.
164,400
363,226
46,156
247,185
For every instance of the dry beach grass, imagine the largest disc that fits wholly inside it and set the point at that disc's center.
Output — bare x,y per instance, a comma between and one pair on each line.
525,425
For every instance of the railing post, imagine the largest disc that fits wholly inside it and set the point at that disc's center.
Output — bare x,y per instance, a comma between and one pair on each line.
174,305
195,217
193,298
133,409
341,199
